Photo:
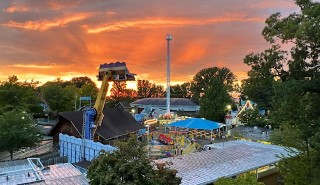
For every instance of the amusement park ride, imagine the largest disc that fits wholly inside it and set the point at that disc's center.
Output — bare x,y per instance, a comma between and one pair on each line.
112,72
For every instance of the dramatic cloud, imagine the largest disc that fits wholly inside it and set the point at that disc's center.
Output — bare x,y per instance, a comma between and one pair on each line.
43,25
43,40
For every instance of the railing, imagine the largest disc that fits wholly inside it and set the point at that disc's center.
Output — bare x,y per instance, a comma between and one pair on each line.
55,160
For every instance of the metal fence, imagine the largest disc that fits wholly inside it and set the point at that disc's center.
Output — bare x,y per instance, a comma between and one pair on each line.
55,160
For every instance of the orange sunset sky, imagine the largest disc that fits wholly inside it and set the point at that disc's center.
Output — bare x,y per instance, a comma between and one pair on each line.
46,39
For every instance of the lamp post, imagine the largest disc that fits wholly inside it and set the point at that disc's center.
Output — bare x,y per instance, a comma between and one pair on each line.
148,135
223,140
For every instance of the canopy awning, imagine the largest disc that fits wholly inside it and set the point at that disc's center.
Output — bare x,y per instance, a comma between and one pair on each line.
195,123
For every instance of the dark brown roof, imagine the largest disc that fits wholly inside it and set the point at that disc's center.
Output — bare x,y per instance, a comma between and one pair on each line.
115,122
83,164
123,104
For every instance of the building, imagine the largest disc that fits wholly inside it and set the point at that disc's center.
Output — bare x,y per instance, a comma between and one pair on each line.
176,104
32,171
227,159
115,123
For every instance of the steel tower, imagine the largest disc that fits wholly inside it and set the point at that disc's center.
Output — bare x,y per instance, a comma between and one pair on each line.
168,38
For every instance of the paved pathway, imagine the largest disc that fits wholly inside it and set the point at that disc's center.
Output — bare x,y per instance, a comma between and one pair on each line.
46,146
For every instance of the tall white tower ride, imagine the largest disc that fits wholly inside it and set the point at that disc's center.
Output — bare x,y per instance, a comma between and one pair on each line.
168,38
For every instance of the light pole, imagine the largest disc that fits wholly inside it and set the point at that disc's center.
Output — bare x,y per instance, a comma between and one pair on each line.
148,135
223,140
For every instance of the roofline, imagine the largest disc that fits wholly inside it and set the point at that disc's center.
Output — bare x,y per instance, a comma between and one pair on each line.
72,124
123,105
52,128
240,172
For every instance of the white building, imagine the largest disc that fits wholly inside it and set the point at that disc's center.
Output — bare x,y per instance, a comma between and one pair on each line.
176,104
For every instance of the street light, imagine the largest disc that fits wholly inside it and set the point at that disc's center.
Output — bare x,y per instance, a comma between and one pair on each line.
229,107
223,140
148,135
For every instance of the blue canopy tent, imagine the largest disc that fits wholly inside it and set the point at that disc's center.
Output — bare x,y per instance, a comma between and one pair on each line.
196,123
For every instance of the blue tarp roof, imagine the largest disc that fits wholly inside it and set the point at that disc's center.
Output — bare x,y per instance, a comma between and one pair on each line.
195,123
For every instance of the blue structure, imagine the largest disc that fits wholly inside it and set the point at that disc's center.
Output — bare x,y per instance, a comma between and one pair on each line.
195,123
79,149
88,123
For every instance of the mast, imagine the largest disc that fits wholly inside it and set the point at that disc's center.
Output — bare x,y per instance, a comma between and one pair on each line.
168,38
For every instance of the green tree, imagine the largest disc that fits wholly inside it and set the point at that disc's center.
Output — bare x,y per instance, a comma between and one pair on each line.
252,118
17,131
296,100
146,89
213,103
203,80
81,81
296,112
59,98
129,165
244,179
15,94
266,67
181,91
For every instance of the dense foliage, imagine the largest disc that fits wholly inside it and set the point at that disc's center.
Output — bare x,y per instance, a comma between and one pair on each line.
146,89
252,118
181,91
293,93
213,103
207,77
17,131
64,95
14,94
244,179
129,165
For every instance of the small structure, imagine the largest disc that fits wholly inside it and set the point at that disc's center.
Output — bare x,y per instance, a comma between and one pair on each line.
31,171
248,105
197,123
226,159
115,123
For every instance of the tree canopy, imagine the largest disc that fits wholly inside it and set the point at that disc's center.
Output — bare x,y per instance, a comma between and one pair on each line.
64,95
266,67
244,179
119,92
181,91
14,94
146,89
203,79
213,103
294,90
17,131
129,165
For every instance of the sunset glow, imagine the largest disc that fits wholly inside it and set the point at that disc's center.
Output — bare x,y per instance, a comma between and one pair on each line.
44,40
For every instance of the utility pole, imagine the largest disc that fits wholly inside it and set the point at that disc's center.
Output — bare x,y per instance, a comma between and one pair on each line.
168,38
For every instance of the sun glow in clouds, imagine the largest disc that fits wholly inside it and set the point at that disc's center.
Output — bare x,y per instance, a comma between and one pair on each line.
159,22
43,25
